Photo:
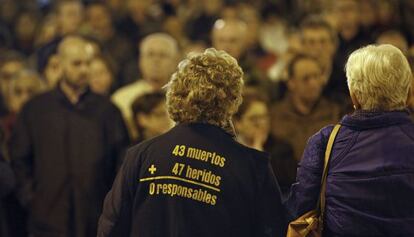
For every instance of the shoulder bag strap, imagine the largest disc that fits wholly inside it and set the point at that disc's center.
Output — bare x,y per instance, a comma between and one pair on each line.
321,203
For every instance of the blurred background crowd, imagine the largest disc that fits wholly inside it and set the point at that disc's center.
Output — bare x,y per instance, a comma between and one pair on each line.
292,52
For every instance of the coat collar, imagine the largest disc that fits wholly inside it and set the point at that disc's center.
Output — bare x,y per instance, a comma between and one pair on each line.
362,119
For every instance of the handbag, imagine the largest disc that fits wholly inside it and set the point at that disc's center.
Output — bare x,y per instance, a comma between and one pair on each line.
310,224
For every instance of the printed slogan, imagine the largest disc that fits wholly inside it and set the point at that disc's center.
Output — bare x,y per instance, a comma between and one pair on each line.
207,182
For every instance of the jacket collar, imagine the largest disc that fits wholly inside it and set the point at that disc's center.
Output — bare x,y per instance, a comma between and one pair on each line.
362,119
64,100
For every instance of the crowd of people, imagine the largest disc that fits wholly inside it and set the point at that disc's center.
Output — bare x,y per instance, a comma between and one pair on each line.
81,81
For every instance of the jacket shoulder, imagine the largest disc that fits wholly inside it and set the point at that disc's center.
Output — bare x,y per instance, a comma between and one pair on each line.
38,101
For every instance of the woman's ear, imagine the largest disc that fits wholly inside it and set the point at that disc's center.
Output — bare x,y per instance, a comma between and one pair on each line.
355,101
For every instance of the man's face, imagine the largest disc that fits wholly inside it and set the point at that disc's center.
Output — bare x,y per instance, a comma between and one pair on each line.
70,16
307,81
158,60
99,20
318,43
76,64
229,38
347,13
7,72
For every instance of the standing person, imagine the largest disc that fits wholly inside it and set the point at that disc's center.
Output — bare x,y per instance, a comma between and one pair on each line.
252,123
196,180
158,58
304,110
369,188
65,148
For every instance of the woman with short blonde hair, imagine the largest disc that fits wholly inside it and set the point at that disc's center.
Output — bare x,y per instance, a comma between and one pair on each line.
369,188
379,78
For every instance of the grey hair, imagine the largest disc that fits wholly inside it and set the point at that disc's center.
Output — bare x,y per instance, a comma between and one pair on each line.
379,77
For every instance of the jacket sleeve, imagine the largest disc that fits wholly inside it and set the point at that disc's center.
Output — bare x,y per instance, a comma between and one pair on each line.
117,141
270,214
21,155
117,210
304,193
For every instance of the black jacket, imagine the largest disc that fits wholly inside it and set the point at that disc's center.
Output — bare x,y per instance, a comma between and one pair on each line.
195,180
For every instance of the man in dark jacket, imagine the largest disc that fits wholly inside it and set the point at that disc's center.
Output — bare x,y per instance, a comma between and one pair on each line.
65,148
196,180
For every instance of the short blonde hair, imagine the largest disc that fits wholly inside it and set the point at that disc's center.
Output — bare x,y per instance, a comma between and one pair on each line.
206,88
379,77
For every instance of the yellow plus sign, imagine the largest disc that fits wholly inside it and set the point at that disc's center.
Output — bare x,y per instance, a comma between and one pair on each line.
152,169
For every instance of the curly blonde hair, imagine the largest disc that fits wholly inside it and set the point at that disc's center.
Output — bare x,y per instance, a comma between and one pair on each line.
206,88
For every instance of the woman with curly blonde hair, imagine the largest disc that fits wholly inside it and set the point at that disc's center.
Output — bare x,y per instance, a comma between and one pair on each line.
196,180
206,88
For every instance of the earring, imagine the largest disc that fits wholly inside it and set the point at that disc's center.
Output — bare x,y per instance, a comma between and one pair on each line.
355,107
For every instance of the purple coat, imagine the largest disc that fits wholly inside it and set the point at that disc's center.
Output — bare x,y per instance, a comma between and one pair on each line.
370,184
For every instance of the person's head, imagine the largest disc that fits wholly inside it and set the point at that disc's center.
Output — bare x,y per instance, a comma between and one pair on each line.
252,116
395,38
48,30
347,14
173,25
102,79
212,7
48,64
319,39
74,58
230,36
52,71
387,9
368,16
26,26
158,58
10,64
250,15
8,10
138,10
150,115
379,78
69,15
205,88
99,20
23,87
305,81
